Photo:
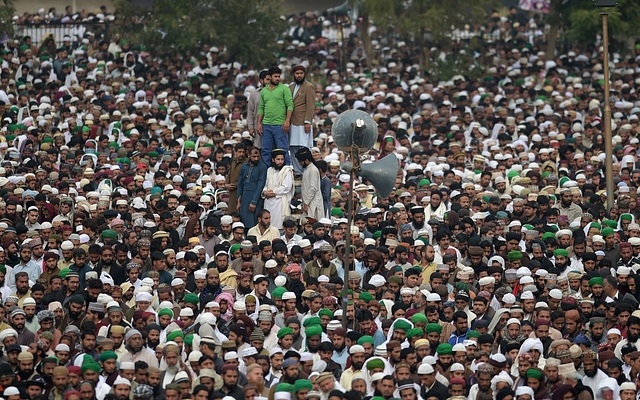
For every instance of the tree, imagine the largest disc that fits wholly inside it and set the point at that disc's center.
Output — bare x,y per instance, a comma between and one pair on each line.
7,11
426,22
582,21
245,30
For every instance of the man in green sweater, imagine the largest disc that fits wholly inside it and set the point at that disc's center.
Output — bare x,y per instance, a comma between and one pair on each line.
274,116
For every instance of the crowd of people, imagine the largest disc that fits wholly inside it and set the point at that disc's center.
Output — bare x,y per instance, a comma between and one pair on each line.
169,238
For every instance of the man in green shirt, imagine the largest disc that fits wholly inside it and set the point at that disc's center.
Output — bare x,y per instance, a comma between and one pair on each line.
274,116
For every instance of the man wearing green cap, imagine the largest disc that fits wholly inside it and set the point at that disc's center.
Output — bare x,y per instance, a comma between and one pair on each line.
400,329
611,248
314,337
109,372
596,285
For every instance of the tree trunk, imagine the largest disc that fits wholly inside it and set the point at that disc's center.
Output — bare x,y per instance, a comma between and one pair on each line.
552,40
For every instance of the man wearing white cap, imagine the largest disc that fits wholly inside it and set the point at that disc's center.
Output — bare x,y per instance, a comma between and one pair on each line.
355,370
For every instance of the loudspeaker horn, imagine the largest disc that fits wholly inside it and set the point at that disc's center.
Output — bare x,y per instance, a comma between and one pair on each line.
349,9
355,127
381,174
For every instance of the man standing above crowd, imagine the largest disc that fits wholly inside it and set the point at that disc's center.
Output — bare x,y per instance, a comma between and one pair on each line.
312,204
274,116
278,189
301,136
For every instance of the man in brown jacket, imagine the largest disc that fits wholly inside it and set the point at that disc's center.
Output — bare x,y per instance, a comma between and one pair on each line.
231,184
301,134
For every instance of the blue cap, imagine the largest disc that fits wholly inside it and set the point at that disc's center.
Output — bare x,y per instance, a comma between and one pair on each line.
582,339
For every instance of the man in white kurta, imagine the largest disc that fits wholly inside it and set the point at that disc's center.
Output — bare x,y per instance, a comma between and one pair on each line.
278,189
312,204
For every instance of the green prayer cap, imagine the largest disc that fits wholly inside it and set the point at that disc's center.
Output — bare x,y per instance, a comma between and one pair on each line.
326,313
192,298
419,317
284,387
234,248
165,311
278,292
376,234
534,373
375,363
514,255
433,327
561,252
177,333
315,330
444,349
189,144
284,331
336,212
188,340
473,334
3,269
108,355
607,232
365,339
415,332
610,223
366,296
548,235
109,234
302,384
596,281
311,321
512,174
402,326
64,272
91,366
153,154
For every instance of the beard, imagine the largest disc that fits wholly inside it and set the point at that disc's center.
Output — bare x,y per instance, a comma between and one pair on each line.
444,366
244,290
20,290
339,349
173,369
298,81
313,349
566,203
418,225
596,338
591,373
276,166
357,366
632,338
136,349
518,214
74,315
259,384
325,263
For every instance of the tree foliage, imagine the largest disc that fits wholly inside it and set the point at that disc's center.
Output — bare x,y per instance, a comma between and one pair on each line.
430,19
243,30
7,11
583,21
